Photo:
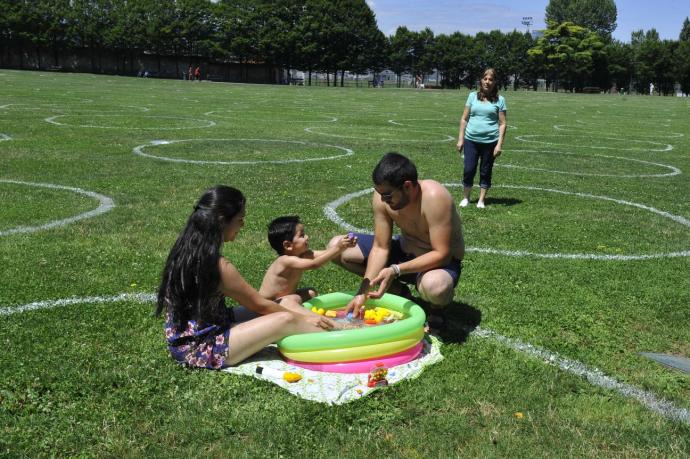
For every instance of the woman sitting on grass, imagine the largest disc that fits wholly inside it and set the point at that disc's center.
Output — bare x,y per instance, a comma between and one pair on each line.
201,331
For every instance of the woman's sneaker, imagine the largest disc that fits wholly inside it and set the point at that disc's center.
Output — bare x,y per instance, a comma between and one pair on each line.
480,204
464,202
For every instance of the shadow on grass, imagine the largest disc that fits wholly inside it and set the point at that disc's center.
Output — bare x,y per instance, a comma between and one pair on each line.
458,321
502,201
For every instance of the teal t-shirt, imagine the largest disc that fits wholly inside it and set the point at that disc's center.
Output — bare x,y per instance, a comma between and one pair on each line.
482,126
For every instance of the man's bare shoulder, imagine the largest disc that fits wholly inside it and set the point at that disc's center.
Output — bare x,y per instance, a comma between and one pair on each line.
434,190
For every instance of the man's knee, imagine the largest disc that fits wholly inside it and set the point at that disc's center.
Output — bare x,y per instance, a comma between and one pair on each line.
437,289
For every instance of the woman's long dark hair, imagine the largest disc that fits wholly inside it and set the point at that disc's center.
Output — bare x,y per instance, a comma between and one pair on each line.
189,284
492,95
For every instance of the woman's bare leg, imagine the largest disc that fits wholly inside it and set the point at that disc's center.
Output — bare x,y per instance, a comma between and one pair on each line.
250,337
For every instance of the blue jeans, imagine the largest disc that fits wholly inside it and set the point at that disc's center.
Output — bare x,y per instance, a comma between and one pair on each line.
473,153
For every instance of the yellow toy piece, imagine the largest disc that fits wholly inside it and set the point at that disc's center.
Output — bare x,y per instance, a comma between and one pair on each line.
291,377
331,313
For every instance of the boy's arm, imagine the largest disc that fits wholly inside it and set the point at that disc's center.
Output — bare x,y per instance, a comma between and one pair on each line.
320,257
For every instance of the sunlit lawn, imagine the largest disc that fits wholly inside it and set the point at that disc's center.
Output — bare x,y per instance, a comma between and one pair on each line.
582,252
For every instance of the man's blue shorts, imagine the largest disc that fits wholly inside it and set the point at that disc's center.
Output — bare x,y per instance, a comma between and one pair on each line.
365,242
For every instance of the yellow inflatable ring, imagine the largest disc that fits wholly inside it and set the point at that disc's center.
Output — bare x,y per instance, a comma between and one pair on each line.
408,328
347,354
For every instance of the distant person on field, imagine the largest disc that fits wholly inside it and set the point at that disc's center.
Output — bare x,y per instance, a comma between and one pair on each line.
197,74
482,131
200,330
651,89
190,73
428,252
287,237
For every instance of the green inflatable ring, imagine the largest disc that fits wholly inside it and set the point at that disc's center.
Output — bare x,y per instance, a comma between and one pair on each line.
395,331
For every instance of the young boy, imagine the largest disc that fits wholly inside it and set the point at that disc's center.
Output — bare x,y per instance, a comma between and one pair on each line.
286,235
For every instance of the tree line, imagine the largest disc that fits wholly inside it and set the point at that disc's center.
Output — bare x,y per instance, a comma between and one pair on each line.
575,52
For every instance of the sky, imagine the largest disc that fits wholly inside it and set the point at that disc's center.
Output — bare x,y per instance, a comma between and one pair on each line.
472,16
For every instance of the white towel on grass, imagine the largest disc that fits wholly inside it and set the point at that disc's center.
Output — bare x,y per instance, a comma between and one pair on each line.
334,388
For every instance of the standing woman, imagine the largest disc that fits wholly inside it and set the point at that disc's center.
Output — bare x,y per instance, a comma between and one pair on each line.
482,130
200,330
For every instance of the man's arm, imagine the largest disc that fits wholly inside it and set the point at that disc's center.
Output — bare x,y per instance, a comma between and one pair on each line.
383,231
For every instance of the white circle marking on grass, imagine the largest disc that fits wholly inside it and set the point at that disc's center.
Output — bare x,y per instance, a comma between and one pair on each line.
209,123
310,130
674,170
330,210
567,128
529,137
139,150
329,119
105,204
595,376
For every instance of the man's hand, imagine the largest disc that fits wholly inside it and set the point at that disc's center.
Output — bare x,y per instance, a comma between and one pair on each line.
384,280
460,145
497,151
356,304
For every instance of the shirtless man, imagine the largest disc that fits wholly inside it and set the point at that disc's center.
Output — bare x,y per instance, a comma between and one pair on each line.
430,249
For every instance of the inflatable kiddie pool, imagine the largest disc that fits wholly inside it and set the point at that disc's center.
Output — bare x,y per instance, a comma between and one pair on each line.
357,350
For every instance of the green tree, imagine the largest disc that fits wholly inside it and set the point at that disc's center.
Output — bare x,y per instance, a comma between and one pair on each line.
401,46
596,15
682,57
567,52
685,31
620,63
453,55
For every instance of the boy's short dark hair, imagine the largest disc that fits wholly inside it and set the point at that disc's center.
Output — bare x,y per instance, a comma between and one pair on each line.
280,230
394,169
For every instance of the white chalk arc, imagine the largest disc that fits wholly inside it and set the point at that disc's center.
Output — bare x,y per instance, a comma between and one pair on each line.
593,375
529,138
139,150
330,211
105,204
673,170
205,123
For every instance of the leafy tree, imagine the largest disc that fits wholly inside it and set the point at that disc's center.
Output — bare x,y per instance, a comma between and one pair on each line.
685,31
401,46
682,57
452,55
620,63
567,52
596,15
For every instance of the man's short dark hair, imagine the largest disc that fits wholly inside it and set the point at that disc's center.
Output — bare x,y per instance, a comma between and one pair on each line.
280,230
394,169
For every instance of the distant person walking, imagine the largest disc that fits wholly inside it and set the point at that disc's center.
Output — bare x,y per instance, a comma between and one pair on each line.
190,73
651,89
482,131
197,74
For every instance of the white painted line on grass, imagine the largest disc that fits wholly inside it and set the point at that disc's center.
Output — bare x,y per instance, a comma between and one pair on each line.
674,170
329,119
330,210
529,138
4,137
105,204
448,138
594,376
209,123
139,150
50,304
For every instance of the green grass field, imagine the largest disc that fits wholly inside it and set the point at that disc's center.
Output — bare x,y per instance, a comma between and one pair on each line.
581,254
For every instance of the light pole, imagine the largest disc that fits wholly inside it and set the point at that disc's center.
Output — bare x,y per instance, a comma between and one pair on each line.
527,21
